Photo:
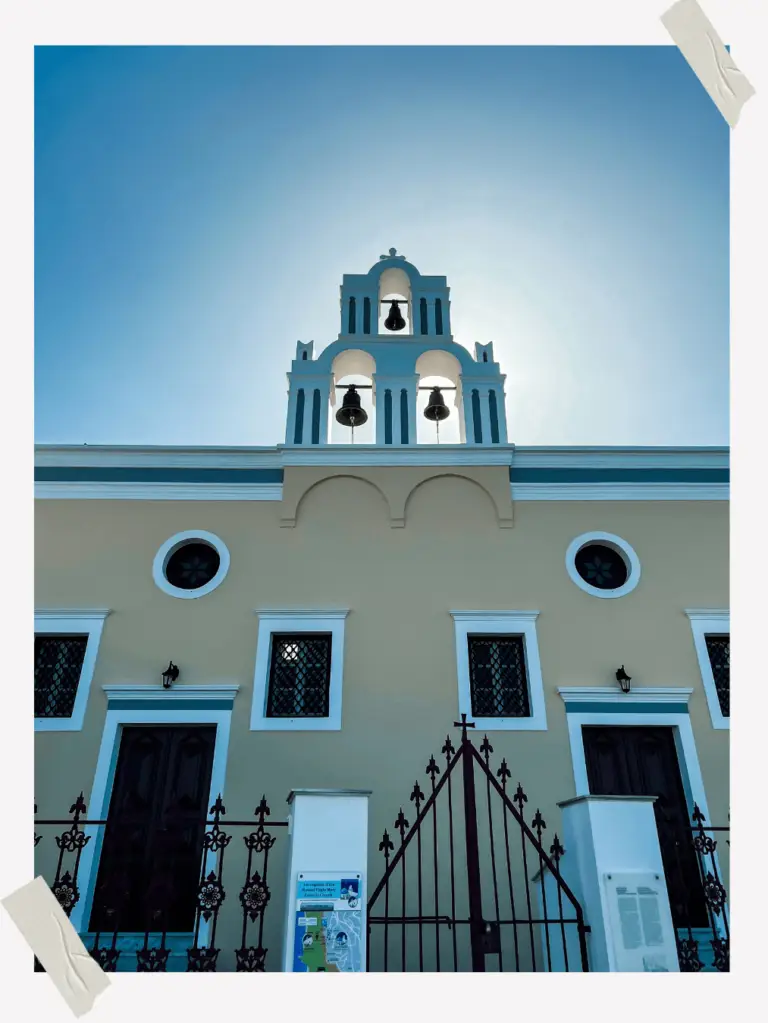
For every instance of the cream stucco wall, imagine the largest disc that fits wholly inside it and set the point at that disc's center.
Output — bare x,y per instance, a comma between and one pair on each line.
400,687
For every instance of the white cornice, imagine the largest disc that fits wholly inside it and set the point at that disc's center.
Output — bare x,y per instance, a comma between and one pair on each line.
46,614
494,616
79,455
620,491
574,695
301,613
108,491
117,693
103,456
613,457
417,454
700,613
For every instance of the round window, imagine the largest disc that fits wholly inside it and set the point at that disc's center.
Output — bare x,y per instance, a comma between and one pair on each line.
602,564
191,564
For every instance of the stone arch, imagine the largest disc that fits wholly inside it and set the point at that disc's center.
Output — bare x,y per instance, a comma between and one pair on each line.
294,492
501,501
436,362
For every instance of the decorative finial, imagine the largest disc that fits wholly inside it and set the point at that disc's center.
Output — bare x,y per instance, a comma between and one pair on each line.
393,254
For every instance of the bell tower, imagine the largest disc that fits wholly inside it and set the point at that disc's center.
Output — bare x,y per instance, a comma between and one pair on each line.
395,333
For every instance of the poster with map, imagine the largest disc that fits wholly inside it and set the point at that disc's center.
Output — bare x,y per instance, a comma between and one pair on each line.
328,936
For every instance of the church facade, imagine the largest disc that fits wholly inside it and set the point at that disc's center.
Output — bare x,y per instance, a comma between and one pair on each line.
218,628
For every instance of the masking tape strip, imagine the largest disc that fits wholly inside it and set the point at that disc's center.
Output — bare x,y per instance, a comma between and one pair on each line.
49,933
704,50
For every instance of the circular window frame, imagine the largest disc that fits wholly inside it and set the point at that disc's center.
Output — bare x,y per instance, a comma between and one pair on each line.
616,543
170,547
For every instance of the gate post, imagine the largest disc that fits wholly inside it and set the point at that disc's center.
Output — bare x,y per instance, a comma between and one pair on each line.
328,831
613,845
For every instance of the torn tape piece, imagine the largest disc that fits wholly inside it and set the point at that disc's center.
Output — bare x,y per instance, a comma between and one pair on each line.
49,933
712,63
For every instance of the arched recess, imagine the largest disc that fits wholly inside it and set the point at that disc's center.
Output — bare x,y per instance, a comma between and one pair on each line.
500,499
438,368
294,492
353,366
394,283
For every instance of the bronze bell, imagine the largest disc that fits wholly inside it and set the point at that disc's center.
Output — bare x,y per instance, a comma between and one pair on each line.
436,409
351,412
394,320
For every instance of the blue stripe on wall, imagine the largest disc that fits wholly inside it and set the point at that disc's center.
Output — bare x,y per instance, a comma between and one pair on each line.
154,474
618,475
403,416
600,707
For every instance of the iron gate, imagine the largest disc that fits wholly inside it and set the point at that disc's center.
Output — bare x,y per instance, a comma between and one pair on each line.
491,898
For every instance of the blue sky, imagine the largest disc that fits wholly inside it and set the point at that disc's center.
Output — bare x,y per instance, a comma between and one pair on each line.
196,208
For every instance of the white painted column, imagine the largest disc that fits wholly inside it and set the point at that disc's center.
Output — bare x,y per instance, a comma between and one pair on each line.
290,425
328,836
469,417
616,870
501,411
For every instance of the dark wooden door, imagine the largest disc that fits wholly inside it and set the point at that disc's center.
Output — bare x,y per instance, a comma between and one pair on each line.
152,852
642,761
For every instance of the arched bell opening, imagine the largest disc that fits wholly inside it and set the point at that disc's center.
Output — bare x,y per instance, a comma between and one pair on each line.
439,413
353,408
395,302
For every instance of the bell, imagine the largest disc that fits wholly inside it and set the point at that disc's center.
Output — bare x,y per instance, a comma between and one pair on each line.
436,409
394,320
351,412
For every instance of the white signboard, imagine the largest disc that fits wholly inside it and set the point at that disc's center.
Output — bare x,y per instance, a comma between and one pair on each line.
640,923
329,923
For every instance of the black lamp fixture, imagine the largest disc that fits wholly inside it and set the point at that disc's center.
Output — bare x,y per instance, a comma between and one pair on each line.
623,679
170,675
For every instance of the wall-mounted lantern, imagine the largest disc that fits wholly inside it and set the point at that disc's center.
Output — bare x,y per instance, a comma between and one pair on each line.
623,679
170,675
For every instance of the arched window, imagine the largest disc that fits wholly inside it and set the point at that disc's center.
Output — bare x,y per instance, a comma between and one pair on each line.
476,417
316,417
423,321
352,315
298,433
494,417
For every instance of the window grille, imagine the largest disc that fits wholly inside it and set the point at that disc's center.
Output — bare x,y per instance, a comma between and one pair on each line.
299,676
719,650
497,676
58,664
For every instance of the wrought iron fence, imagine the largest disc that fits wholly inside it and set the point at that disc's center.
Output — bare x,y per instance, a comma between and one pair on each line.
700,910
155,948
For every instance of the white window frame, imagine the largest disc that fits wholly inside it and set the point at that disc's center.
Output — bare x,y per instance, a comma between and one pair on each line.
158,708
76,622
171,545
709,622
501,623
297,621
617,544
